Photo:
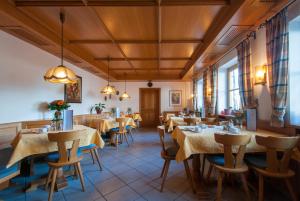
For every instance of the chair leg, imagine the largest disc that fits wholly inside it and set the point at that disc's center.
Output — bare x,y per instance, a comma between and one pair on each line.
190,177
117,141
260,188
203,164
49,177
130,133
219,191
165,175
209,172
125,136
92,155
55,170
163,170
291,190
80,176
97,158
245,185
76,172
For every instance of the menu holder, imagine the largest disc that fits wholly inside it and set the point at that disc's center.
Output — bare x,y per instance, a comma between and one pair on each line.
68,120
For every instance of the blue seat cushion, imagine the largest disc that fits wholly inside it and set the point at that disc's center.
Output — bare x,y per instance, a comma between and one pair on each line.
217,159
128,127
53,157
114,129
256,160
91,146
4,158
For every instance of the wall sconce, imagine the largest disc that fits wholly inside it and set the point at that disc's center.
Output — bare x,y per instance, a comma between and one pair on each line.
209,91
261,74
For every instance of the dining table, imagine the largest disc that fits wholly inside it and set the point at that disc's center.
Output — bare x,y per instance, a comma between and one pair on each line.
193,142
104,125
174,121
33,142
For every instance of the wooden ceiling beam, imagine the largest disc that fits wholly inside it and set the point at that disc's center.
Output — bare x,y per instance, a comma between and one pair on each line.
35,27
22,3
216,27
113,40
144,69
87,41
149,76
158,33
145,59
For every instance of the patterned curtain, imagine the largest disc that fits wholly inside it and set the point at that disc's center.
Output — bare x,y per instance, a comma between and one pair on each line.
214,88
206,98
245,81
277,56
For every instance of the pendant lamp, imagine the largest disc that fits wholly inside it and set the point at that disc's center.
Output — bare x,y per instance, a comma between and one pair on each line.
61,73
108,90
125,95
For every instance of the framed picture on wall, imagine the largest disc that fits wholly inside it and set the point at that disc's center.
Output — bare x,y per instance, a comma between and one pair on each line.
73,92
175,98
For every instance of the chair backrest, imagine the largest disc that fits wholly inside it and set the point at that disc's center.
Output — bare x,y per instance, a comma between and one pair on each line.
122,124
190,121
161,132
233,159
62,139
161,120
279,151
36,124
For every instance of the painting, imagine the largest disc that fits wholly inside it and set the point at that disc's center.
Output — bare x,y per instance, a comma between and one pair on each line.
73,92
175,97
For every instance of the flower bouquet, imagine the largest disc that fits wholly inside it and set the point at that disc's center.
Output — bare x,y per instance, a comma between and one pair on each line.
58,106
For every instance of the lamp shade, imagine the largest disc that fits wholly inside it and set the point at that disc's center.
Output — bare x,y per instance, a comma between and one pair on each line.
109,90
60,74
125,96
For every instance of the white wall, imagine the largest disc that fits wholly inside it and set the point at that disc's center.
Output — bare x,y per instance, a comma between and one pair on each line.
133,91
23,91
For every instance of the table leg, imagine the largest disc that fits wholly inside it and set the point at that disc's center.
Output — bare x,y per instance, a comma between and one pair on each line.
204,194
61,181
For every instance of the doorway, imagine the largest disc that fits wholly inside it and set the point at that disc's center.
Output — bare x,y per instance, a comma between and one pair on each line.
150,106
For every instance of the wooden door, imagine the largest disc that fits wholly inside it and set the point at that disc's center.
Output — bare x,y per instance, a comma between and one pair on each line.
150,106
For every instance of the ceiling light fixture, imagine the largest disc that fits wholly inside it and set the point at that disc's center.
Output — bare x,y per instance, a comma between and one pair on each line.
108,90
125,95
61,74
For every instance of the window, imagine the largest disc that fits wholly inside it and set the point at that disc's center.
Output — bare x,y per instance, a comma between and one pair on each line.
233,88
294,71
200,93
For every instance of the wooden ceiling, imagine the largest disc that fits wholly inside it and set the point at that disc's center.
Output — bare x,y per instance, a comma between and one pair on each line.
146,39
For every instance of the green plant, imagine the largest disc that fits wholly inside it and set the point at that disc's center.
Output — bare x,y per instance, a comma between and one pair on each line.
129,110
98,108
113,110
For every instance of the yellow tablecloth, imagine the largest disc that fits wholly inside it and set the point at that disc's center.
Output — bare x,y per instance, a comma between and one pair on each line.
204,142
32,143
136,117
104,125
176,121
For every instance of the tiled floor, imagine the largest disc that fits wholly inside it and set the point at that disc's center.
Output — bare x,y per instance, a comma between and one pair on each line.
131,173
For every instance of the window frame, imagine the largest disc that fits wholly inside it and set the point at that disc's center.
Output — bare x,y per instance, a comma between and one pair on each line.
229,70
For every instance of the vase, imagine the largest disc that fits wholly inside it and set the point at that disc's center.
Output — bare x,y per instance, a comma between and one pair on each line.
58,120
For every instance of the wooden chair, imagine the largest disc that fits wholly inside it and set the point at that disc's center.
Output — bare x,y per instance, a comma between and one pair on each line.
230,162
275,163
169,154
93,150
190,121
120,132
36,124
6,174
161,120
64,157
